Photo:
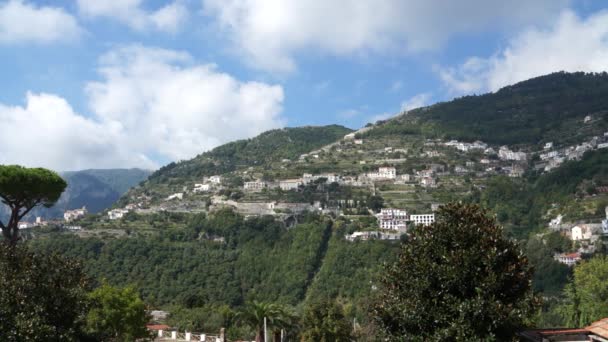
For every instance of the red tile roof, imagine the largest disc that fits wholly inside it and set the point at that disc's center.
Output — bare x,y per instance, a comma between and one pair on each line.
599,328
158,327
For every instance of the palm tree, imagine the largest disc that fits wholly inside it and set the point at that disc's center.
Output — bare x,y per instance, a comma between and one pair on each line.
277,318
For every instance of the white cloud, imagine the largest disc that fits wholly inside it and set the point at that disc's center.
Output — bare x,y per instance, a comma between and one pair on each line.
570,44
270,33
131,12
149,104
47,132
416,101
23,22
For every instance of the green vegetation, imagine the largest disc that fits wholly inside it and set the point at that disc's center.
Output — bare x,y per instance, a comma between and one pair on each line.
324,321
538,110
268,147
42,297
586,297
116,315
458,279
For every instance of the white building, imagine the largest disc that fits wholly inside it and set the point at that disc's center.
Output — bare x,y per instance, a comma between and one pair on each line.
24,225
350,136
548,146
71,215
198,187
569,259
178,195
556,221
581,232
505,153
602,145
363,236
115,214
254,186
290,184
392,219
428,182
215,179
386,172
358,141
605,223
423,219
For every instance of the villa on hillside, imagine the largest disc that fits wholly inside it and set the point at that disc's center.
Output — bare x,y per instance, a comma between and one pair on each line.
290,184
115,214
254,186
569,259
397,219
386,172
71,215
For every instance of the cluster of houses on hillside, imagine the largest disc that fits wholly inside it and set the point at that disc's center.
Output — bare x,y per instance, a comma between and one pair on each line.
584,234
551,158
392,223
71,215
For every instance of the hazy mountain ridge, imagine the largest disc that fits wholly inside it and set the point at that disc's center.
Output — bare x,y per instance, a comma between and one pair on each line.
96,189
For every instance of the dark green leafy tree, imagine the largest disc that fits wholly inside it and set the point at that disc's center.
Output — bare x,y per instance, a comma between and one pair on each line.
117,314
457,279
324,321
22,189
586,297
42,297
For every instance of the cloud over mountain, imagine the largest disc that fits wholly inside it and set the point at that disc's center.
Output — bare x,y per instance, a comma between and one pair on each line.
571,44
150,105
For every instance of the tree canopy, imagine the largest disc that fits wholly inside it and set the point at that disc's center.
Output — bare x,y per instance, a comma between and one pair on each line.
116,314
587,295
457,279
42,297
22,189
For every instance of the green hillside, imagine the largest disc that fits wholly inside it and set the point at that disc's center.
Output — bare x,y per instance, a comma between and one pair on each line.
266,148
196,251
541,109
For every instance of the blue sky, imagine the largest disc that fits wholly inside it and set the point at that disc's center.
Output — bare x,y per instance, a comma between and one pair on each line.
139,83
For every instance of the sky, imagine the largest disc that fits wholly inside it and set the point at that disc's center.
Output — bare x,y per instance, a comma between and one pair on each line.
140,83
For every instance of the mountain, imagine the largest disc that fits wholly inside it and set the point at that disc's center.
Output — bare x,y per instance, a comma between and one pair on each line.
97,189
549,108
228,245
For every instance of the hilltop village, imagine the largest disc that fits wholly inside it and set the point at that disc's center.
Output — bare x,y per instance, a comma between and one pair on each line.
397,183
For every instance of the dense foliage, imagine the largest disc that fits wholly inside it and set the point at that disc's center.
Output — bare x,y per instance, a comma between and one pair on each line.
458,279
533,111
587,295
116,314
258,259
324,321
42,297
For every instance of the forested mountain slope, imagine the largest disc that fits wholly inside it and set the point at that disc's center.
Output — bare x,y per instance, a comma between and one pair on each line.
541,109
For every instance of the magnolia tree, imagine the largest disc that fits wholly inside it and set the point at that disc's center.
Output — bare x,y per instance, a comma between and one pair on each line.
458,279
22,189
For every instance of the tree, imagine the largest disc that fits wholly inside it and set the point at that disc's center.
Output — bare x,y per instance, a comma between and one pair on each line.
457,279
117,314
22,189
586,297
277,317
324,321
42,297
